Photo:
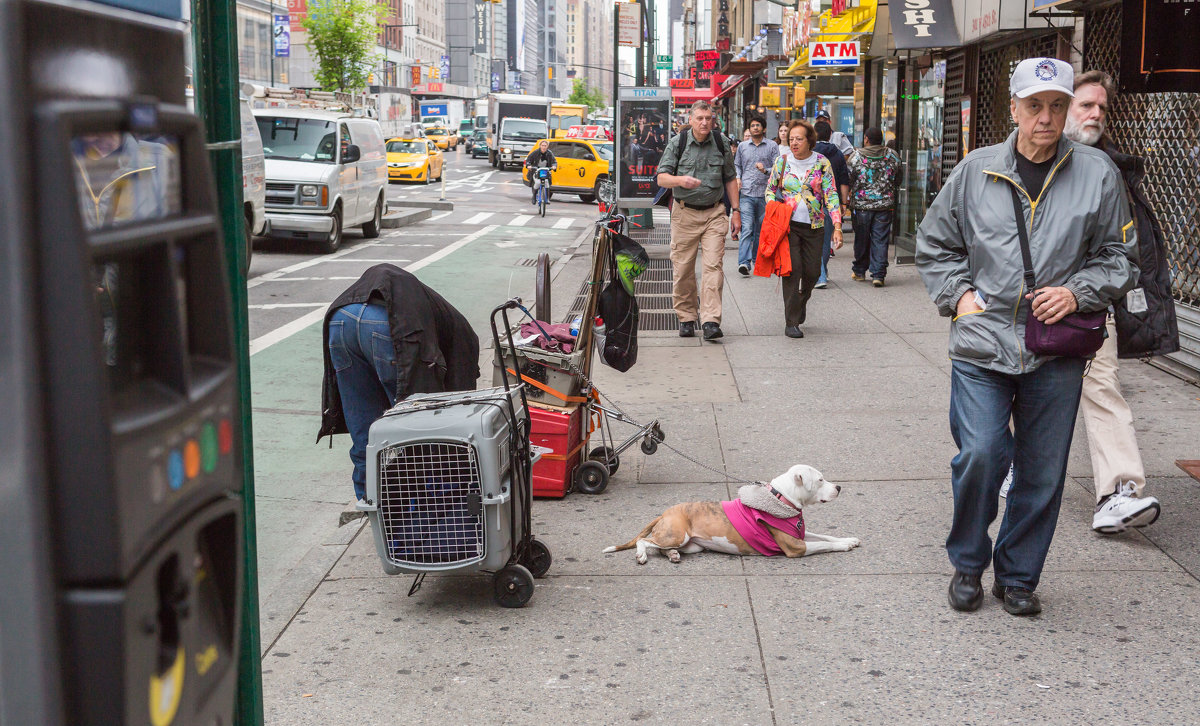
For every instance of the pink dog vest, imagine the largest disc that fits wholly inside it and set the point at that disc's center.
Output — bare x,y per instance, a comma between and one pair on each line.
751,524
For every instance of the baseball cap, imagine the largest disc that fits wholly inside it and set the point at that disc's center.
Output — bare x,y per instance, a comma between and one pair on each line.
822,114
1034,75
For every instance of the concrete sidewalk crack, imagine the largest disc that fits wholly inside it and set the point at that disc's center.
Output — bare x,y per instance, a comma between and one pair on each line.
762,658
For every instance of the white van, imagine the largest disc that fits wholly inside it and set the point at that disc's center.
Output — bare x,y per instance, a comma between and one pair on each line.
325,171
254,177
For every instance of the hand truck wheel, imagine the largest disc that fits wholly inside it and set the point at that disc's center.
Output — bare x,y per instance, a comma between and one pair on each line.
591,477
649,446
658,434
513,586
537,558
605,456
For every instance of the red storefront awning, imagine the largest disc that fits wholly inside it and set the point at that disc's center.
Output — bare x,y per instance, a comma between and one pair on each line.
684,96
722,93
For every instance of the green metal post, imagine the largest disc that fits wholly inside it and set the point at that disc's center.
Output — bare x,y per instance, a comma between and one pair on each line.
215,79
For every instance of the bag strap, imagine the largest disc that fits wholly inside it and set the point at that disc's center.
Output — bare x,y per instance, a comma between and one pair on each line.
1023,234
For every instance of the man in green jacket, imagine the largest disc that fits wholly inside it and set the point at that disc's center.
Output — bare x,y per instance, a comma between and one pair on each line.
968,253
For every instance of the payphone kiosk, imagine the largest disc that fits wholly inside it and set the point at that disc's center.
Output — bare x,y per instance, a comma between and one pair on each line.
137,399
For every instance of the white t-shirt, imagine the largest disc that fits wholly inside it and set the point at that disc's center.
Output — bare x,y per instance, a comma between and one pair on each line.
800,168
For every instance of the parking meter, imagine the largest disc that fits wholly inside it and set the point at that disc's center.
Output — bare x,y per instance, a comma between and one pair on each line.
134,469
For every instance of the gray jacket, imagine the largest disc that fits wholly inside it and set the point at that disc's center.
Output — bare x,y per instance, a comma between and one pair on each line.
1082,237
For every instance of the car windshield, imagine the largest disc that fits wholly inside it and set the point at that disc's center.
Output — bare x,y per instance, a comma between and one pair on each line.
524,129
406,147
435,131
566,122
604,150
299,139
480,135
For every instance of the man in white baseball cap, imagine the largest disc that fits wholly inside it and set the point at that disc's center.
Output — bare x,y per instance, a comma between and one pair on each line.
1070,200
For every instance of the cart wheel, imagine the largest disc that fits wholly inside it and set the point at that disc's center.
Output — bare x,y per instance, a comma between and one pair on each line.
513,586
541,297
649,446
591,477
538,558
605,456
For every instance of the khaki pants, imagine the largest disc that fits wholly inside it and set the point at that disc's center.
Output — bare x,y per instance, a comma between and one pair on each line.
693,231
1112,441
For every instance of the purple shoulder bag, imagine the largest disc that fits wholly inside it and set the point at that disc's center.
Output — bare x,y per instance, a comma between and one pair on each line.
1078,335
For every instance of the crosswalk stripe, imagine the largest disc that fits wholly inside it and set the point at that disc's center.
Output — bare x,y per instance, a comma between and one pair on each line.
520,220
478,218
563,223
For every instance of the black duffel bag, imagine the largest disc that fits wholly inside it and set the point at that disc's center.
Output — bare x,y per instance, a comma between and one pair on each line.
619,311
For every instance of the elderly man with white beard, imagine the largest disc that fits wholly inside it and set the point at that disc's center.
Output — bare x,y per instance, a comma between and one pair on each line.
1141,324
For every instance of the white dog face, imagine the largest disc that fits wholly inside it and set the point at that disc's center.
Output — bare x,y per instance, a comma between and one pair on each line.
804,485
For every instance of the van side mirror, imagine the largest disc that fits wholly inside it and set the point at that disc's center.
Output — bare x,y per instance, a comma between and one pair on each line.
352,154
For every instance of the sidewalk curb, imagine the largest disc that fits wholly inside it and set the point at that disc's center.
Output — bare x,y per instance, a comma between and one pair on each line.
393,220
444,206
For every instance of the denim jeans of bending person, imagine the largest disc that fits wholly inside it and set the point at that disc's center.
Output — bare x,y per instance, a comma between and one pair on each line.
364,360
1042,404
753,209
826,249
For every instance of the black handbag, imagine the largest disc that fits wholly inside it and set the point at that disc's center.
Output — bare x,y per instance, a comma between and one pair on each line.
1077,335
619,310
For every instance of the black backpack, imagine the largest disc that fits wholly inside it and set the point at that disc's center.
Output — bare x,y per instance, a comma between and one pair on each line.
619,310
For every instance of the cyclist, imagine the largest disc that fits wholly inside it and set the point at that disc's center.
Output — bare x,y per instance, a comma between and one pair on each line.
539,157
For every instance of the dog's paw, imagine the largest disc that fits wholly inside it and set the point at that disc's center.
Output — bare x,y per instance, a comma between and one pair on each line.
851,543
641,559
673,556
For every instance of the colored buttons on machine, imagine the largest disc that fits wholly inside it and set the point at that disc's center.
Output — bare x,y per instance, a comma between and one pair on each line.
175,470
191,458
208,448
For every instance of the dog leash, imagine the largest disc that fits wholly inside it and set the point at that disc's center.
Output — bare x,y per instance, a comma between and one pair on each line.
660,442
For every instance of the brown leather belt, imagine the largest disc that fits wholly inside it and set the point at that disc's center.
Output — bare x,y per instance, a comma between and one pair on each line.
689,205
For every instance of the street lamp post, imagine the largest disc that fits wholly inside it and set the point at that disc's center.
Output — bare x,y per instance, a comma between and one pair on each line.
387,38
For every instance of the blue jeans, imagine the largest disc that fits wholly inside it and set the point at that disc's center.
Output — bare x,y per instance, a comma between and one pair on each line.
364,360
1042,404
826,248
753,209
872,233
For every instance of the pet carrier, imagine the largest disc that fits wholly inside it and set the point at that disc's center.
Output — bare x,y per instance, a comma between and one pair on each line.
449,487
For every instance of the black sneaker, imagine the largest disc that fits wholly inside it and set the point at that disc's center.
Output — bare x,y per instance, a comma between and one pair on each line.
688,329
793,331
966,592
1017,600
744,270
712,331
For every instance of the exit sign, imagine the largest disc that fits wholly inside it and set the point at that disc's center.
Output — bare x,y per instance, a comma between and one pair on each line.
839,54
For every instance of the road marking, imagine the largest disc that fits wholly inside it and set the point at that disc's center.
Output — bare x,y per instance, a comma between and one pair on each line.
284,332
443,214
563,223
273,306
520,220
392,261
478,218
269,276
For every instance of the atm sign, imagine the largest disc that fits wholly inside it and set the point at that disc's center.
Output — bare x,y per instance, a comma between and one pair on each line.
841,53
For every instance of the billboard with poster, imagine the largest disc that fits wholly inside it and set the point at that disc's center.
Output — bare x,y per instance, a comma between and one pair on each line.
643,124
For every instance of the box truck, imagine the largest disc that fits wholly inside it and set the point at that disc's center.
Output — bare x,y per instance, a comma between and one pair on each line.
515,124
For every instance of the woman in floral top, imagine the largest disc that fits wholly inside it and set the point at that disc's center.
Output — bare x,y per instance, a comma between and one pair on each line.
803,179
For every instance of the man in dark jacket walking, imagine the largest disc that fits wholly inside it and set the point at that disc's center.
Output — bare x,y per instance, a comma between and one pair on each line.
387,337
874,172
841,174
1143,324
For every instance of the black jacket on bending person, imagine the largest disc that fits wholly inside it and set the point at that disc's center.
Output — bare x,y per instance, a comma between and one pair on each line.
536,157
436,348
1154,331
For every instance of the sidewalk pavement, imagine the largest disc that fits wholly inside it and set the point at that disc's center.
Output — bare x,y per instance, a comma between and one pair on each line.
859,637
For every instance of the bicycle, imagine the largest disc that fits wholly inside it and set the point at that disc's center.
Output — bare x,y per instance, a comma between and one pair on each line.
543,192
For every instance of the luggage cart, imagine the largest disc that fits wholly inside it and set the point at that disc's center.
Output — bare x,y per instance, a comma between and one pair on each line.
449,486
550,373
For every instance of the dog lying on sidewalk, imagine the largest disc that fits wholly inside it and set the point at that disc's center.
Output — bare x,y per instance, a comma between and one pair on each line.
765,519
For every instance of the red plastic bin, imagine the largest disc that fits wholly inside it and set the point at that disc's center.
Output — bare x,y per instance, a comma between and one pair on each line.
560,430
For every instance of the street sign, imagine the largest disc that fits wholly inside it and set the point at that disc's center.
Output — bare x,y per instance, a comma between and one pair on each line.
834,54
629,24
663,62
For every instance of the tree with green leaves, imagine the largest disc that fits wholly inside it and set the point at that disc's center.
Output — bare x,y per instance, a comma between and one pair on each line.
341,35
582,94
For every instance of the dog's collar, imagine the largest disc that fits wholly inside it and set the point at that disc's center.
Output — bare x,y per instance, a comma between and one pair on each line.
775,492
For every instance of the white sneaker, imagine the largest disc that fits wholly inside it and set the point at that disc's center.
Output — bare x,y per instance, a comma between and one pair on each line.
1124,509
1007,482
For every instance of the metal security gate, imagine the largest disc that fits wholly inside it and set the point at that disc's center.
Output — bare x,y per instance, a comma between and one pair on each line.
1164,129
993,119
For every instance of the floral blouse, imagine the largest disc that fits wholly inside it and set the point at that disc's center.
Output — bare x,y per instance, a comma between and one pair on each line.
818,190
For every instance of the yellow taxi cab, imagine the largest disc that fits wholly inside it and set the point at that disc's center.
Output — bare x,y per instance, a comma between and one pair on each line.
582,165
443,137
413,159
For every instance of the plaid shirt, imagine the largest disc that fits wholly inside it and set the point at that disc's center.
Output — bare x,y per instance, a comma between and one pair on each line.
754,182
